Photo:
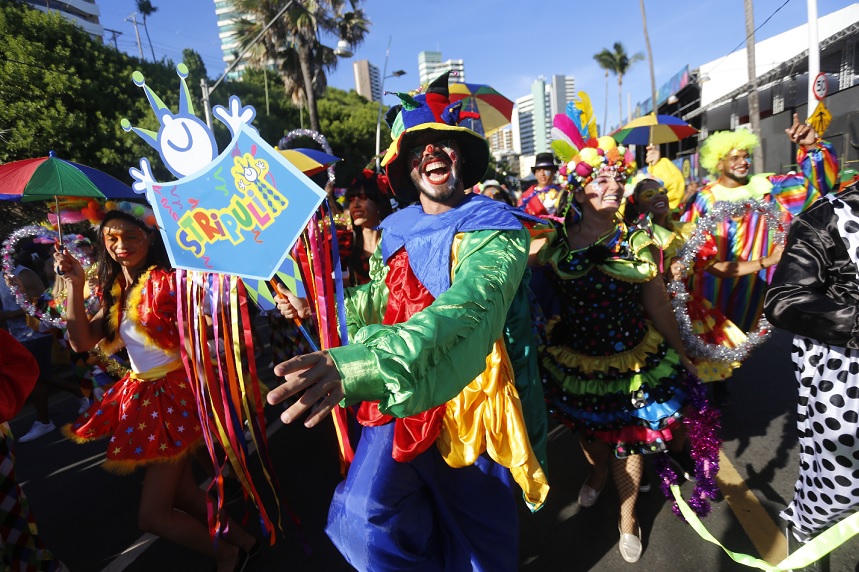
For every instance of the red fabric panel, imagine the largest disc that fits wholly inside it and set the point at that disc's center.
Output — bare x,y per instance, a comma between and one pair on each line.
407,296
18,374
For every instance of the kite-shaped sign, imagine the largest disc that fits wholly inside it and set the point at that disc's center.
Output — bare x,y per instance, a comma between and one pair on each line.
237,212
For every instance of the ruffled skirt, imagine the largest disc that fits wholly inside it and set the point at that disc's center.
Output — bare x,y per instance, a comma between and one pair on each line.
631,400
146,421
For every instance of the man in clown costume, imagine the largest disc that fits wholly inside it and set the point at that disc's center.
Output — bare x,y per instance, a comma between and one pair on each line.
726,155
442,362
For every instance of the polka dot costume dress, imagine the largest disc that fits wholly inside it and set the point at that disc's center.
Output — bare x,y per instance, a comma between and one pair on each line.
828,421
607,371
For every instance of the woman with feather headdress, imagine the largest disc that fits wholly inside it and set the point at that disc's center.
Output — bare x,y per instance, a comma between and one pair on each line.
614,364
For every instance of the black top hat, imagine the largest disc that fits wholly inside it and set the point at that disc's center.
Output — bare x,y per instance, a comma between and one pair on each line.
544,160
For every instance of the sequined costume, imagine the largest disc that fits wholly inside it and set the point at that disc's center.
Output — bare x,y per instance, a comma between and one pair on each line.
741,299
610,374
150,415
439,355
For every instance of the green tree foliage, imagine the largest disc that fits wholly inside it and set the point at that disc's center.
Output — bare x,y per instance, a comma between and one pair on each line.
61,90
281,115
349,123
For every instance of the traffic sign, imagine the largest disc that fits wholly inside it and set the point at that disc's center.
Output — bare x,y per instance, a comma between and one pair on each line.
820,86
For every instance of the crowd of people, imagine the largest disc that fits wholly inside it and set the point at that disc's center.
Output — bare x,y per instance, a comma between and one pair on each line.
478,316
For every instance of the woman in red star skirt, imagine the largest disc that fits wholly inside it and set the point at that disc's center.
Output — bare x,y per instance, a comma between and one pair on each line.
150,415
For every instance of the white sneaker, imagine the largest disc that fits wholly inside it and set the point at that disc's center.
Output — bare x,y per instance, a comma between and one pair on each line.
85,403
37,430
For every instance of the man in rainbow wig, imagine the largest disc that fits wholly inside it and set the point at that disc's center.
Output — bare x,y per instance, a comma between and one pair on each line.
441,360
726,155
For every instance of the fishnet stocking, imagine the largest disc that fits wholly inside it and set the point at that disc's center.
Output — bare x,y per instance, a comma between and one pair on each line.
627,477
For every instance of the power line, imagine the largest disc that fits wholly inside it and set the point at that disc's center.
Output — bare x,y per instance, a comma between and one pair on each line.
746,39
43,68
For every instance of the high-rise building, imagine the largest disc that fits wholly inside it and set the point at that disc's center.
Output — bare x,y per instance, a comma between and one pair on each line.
563,91
368,81
84,13
228,19
501,142
430,66
533,114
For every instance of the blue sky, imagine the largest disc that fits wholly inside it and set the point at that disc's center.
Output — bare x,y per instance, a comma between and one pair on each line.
505,43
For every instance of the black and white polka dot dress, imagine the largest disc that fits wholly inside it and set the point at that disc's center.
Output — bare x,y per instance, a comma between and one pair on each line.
828,421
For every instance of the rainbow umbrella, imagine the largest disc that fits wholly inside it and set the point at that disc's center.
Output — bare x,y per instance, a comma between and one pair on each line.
495,110
653,129
50,177
309,161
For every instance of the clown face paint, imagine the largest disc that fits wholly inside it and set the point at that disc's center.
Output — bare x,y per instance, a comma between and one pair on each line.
653,201
736,165
435,167
127,244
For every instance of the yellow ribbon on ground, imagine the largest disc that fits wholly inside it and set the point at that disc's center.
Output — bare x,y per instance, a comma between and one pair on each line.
811,552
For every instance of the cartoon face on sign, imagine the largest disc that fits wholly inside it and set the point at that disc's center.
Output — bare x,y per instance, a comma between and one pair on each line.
237,212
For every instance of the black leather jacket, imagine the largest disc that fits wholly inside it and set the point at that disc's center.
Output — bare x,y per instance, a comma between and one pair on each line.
815,289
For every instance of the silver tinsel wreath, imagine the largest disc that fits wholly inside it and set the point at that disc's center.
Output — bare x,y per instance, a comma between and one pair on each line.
695,346
317,137
7,253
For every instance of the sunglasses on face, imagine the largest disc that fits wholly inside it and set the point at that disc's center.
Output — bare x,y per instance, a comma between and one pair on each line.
651,194
442,144
359,197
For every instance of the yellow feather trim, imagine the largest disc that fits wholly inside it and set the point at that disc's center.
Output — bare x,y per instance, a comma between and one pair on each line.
132,303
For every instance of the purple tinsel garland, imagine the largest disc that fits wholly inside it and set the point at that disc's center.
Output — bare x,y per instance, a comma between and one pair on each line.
702,423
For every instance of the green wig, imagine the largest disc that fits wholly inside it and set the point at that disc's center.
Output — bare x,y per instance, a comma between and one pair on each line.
719,144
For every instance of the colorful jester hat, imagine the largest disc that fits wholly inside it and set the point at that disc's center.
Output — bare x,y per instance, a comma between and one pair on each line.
431,111
585,155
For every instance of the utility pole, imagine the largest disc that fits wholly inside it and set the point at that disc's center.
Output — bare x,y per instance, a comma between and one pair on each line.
754,100
114,35
133,18
813,55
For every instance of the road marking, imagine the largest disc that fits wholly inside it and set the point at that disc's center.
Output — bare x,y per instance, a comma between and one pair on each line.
764,533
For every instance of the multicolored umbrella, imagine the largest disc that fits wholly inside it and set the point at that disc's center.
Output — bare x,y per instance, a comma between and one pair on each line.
495,110
309,161
653,129
48,177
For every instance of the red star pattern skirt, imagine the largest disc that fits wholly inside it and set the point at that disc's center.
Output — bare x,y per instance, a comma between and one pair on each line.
147,421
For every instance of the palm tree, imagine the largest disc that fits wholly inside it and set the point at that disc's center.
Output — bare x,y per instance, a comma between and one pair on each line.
294,41
617,62
146,8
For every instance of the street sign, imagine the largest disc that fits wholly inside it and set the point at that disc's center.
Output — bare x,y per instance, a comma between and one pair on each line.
820,119
820,86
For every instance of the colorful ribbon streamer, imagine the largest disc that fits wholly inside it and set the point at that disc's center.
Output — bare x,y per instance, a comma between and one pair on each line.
811,552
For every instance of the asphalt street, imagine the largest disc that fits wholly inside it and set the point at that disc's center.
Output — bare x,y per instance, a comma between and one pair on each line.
88,516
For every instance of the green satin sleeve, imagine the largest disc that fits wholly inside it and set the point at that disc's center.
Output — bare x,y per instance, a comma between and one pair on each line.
427,360
366,304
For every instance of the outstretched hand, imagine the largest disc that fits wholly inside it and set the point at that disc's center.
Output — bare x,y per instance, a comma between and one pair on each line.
314,376
801,133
